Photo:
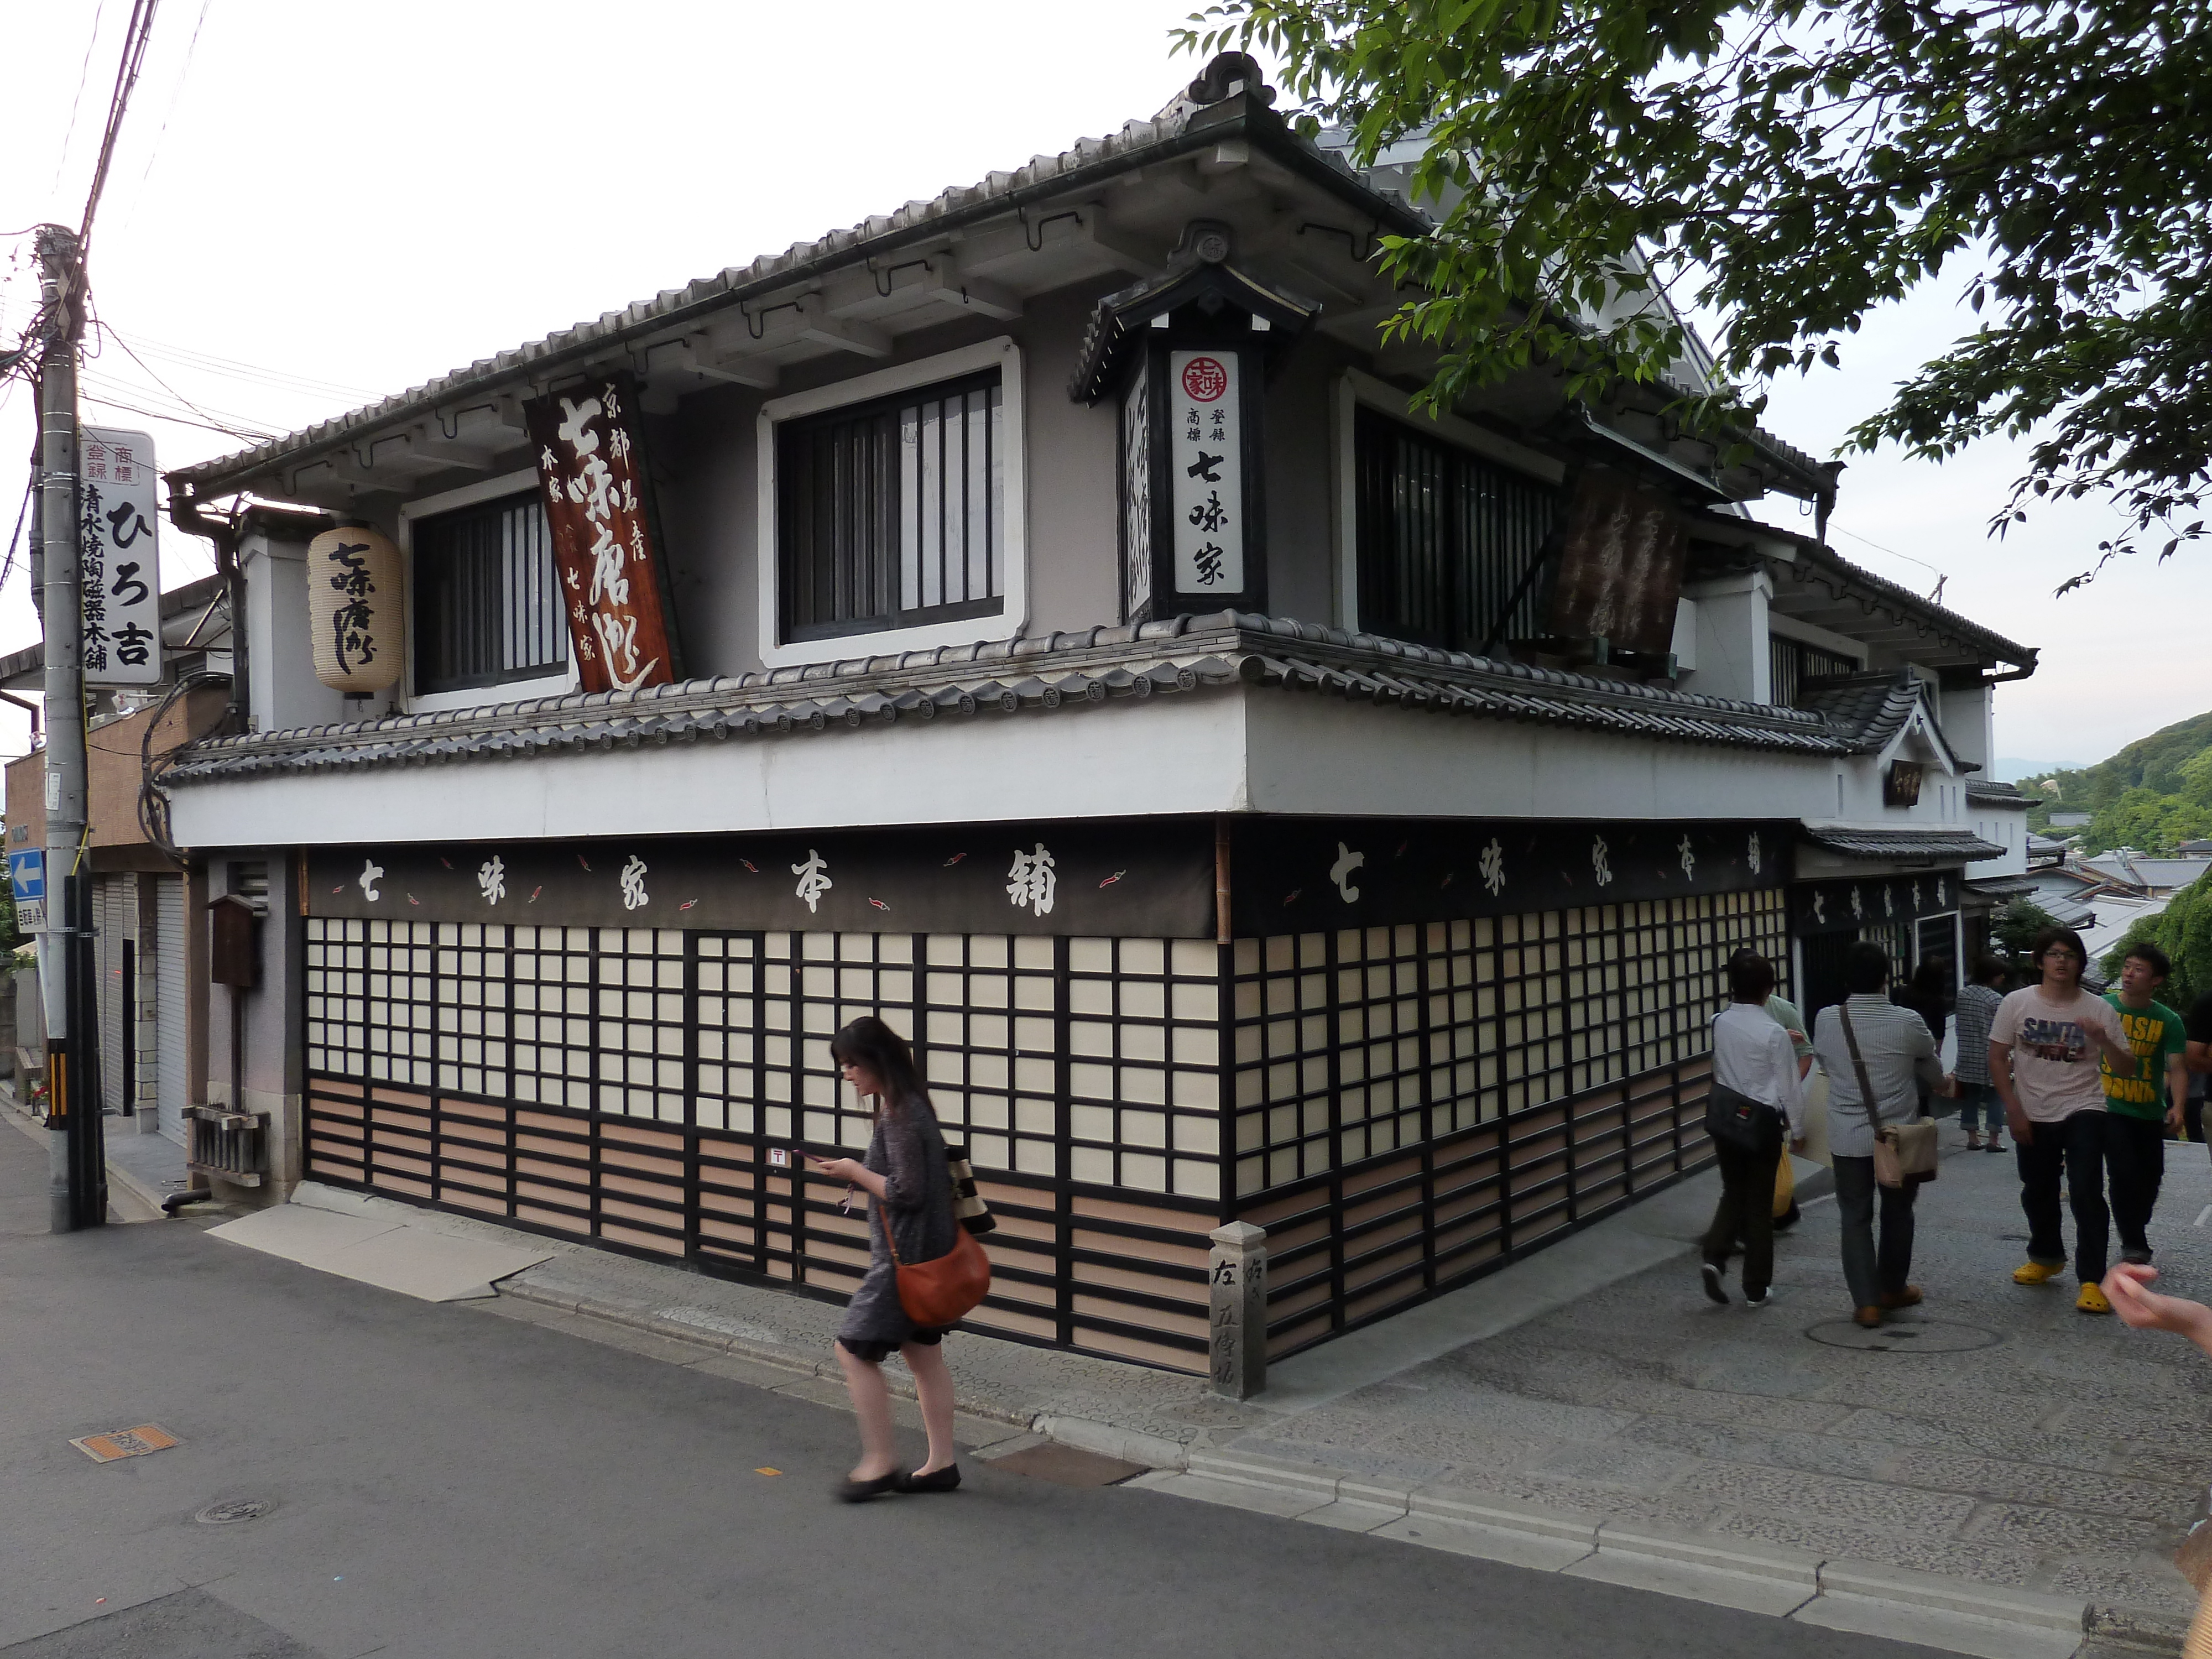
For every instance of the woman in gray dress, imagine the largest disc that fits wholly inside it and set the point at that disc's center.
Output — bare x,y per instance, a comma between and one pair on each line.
909,1186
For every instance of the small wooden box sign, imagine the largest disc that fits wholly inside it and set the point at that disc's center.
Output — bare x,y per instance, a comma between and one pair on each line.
234,941
1900,785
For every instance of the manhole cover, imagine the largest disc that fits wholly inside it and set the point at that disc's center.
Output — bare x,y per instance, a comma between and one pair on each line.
239,1509
1920,1336
1065,1465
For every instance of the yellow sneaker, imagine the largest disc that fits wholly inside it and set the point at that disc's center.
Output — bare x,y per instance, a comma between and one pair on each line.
2092,1301
2035,1273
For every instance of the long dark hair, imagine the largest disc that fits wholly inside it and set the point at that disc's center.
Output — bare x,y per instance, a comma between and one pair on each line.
868,1042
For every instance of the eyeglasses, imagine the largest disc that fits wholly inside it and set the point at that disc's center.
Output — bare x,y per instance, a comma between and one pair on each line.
2061,955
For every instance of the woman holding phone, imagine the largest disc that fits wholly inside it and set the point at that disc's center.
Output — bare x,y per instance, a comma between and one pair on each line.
909,1188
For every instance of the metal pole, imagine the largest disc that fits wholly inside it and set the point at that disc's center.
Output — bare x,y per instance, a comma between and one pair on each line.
73,1113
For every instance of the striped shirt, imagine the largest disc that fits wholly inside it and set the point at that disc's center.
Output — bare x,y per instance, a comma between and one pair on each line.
1976,1007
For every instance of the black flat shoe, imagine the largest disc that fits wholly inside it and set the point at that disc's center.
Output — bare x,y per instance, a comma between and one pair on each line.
943,1480
859,1491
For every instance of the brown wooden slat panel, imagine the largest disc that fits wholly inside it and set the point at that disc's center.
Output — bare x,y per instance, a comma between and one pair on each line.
1117,1347
657,1243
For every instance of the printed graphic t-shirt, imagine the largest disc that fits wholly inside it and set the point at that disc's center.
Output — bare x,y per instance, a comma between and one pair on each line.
2156,1034
2055,1064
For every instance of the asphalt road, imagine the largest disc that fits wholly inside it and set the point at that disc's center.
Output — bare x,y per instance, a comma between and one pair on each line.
446,1483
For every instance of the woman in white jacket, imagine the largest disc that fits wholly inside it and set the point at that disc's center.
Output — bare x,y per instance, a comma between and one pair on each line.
1752,1057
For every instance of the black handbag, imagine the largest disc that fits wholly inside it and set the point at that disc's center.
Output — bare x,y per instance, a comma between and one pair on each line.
1739,1122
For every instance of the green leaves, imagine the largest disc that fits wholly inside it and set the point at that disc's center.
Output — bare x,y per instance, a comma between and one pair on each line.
1791,168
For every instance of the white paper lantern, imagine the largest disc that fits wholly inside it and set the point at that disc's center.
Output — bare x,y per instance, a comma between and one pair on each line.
357,608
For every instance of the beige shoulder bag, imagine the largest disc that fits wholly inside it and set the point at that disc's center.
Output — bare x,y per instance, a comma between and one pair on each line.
1903,1152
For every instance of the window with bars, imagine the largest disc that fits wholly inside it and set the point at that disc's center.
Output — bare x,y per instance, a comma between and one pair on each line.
487,596
890,514
1143,1058
1351,1045
1448,542
1793,664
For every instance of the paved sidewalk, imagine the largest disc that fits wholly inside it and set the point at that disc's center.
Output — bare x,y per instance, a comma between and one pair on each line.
1993,1434
1993,1442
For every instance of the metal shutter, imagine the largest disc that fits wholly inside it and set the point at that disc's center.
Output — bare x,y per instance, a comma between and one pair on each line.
168,954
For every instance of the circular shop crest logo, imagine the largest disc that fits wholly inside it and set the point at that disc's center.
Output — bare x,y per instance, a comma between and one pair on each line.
1205,379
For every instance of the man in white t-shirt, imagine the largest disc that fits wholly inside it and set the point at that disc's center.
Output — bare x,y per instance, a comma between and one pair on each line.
2045,1045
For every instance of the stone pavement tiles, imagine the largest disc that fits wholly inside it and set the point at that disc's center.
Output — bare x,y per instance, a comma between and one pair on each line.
1996,1435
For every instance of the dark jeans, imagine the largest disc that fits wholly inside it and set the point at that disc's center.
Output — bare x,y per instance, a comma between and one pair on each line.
1874,1272
1746,1211
2075,1144
2134,1157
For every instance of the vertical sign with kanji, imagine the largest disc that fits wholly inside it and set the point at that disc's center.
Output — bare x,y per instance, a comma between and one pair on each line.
121,576
1206,470
593,483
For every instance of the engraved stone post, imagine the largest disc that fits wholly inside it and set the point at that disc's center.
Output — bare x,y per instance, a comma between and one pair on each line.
1237,1288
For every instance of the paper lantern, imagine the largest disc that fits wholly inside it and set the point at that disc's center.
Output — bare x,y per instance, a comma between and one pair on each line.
357,608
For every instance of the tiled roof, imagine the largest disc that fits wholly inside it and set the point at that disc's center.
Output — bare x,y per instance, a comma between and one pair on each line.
1060,671
1915,845
1984,792
1872,708
1182,125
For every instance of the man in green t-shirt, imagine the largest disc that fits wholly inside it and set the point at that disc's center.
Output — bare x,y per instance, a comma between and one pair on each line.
2141,1105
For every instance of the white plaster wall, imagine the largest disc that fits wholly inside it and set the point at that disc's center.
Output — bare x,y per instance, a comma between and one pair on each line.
1181,753
281,685
1968,722
1731,644
1317,754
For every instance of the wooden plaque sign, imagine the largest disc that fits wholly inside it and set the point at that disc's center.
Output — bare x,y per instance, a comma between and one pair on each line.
593,482
1620,564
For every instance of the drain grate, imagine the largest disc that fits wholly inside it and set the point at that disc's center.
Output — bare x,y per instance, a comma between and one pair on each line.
230,1514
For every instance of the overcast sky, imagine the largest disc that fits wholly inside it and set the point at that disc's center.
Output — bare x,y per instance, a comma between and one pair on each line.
312,207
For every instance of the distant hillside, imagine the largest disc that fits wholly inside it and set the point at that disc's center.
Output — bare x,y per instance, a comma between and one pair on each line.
2011,769
2153,795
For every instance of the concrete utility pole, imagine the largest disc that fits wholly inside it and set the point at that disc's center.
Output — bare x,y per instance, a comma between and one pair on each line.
78,1183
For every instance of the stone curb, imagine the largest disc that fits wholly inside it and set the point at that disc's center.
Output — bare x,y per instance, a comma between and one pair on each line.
766,1354
2140,1629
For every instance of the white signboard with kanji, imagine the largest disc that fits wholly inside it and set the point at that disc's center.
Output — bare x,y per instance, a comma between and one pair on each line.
121,575
1206,466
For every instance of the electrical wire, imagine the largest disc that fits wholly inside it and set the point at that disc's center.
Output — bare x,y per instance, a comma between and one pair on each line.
136,35
83,74
231,368
176,95
14,536
111,334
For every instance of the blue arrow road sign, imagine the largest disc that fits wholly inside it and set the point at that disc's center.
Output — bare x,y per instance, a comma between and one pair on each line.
26,872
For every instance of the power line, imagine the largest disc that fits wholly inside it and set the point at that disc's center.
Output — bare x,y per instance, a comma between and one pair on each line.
184,69
83,73
136,35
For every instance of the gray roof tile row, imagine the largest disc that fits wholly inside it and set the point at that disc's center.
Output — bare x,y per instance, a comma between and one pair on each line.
1039,674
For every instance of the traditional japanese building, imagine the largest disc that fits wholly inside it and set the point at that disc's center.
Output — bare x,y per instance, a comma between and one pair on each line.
1037,616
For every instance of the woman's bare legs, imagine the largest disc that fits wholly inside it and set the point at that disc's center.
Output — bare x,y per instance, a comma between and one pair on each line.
932,1387
871,1404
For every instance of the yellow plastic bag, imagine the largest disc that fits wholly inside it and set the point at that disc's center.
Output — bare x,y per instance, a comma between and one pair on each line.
1785,1186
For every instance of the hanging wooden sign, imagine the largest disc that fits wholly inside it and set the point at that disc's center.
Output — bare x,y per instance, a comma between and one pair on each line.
357,609
121,575
1620,564
592,478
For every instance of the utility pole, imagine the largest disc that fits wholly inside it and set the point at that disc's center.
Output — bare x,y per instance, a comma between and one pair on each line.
77,1178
